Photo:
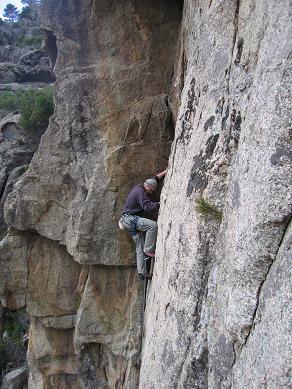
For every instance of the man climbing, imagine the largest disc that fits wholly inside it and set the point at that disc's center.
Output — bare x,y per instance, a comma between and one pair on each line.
138,201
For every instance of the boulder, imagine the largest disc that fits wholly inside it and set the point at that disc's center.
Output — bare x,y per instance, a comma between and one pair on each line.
34,66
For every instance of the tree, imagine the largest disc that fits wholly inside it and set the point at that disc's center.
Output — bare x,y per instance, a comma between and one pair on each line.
25,12
10,12
31,3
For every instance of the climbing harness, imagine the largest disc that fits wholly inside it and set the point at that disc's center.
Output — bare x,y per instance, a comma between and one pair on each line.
132,223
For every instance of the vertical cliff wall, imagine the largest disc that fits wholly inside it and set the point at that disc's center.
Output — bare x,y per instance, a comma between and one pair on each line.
218,307
65,258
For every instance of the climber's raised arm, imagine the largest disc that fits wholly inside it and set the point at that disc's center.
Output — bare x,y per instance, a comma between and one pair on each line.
161,174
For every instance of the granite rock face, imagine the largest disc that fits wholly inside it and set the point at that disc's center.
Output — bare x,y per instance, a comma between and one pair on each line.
218,304
220,288
14,251
111,128
17,146
107,115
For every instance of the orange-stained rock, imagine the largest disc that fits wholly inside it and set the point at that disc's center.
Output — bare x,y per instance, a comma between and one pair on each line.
52,280
109,320
51,358
14,253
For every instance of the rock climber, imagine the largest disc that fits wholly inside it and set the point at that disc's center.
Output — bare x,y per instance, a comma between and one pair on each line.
139,200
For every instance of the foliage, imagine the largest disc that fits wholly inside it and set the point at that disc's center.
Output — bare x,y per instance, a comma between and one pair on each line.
30,3
14,329
36,106
10,13
77,301
205,208
34,41
9,101
25,12
23,169
30,9
15,25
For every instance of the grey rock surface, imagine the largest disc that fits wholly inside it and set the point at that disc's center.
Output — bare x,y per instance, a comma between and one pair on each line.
17,86
104,139
17,146
216,294
33,67
110,130
7,74
268,345
13,54
218,304
14,253
7,188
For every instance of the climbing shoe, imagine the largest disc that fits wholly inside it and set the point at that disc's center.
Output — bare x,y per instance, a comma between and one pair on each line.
150,254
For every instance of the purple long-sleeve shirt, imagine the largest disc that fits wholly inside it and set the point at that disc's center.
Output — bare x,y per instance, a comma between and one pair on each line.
138,200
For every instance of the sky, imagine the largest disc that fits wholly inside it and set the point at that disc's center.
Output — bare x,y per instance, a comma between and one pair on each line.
3,3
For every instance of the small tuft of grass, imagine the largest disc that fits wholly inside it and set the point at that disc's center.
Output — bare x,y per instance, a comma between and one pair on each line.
77,302
23,169
207,209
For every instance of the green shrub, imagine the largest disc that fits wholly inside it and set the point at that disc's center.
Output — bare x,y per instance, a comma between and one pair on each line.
23,169
35,41
205,208
36,106
25,12
9,101
14,329
77,302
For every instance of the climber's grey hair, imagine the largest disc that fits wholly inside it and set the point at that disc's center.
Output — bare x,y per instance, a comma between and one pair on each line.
150,183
